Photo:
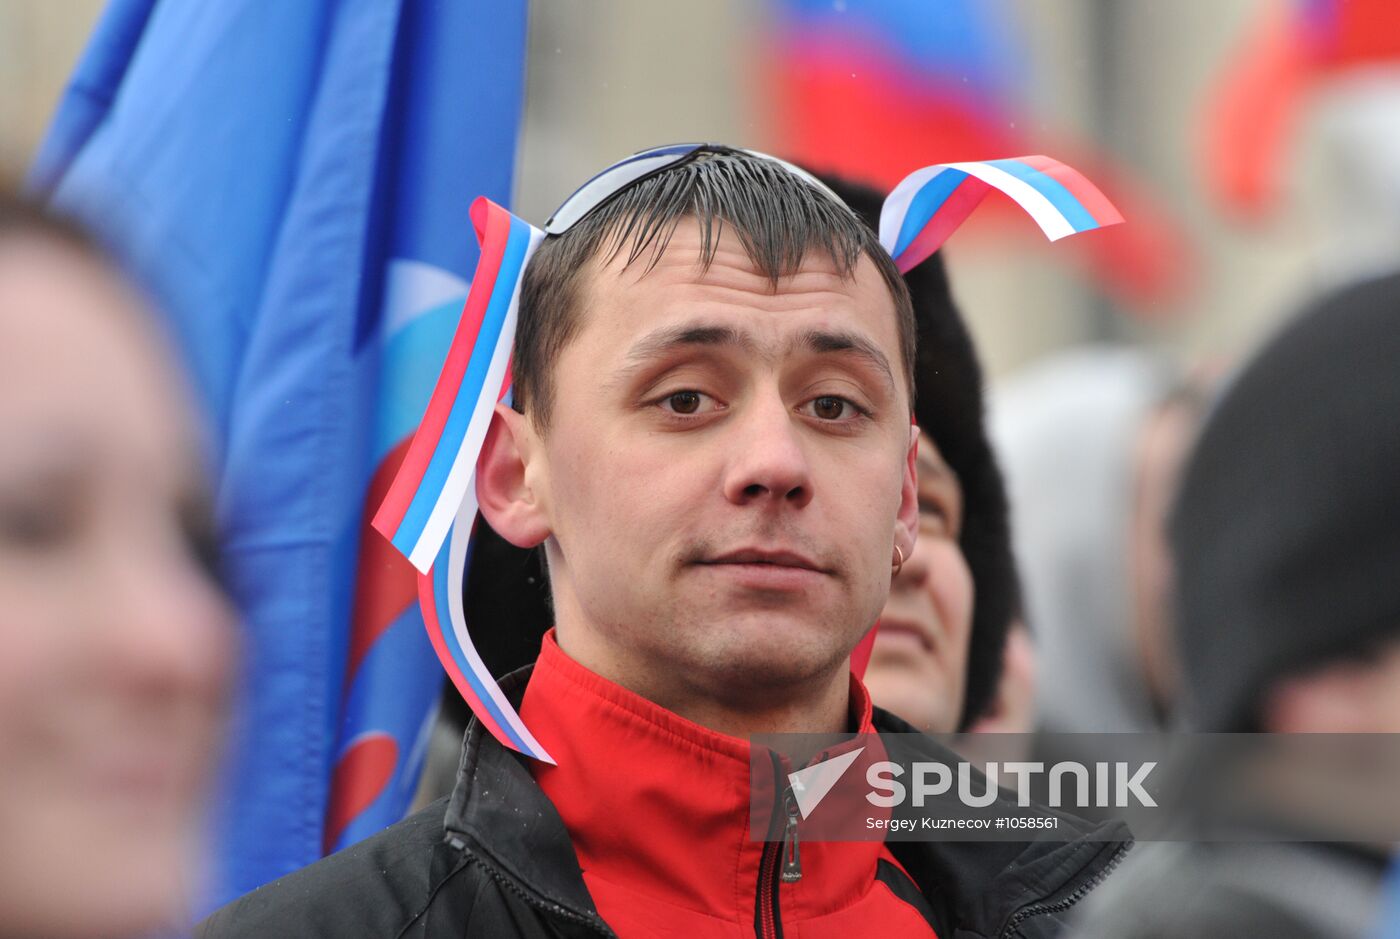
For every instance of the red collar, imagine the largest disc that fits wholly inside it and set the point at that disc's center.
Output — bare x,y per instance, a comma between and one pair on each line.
657,808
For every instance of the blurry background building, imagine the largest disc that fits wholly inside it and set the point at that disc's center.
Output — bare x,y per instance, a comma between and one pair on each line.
1128,81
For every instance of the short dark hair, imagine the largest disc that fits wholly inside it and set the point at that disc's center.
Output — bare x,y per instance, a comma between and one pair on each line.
778,217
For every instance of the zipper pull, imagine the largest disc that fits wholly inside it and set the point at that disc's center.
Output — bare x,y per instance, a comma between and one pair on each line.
792,855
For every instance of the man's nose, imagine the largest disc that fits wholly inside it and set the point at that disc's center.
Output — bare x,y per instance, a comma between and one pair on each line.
767,460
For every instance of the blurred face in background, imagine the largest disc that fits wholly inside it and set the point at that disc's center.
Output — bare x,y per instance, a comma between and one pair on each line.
1161,449
115,644
918,666
1358,695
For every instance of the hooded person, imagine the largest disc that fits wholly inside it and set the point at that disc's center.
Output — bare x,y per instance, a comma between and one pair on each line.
1286,540
709,430
1070,432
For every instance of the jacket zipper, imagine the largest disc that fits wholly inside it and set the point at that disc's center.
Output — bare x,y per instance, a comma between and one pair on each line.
1036,909
770,924
792,850
780,863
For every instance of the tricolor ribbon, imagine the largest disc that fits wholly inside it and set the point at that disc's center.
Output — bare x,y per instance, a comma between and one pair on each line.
930,203
433,495
430,512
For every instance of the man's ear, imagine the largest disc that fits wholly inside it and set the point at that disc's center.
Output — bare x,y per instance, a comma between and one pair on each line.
508,501
906,529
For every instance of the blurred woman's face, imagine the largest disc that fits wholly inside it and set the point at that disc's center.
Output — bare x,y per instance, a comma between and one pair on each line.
918,665
115,644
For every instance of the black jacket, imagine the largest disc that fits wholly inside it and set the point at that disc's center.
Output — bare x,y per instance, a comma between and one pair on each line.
494,860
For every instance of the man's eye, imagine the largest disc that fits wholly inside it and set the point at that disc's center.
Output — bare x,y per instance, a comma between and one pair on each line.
832,408
687,402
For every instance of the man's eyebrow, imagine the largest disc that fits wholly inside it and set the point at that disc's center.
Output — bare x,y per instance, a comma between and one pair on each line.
854,344
663,341
660,342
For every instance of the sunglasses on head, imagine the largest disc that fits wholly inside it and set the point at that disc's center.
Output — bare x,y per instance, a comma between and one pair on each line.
645,164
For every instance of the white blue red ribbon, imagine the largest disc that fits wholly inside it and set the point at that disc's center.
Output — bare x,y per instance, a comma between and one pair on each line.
930,203
432,496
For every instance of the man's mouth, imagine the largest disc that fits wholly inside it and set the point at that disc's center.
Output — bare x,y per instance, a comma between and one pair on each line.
767,569
778,558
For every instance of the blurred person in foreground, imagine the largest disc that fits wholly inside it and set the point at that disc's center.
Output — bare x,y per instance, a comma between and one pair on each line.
1286,541
115,642
1092,442
713,443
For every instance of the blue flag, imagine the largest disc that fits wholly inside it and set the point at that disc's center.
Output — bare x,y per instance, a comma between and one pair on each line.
293,180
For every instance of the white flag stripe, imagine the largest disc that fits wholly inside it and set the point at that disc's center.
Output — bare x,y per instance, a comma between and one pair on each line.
896,205
464,463
1050,219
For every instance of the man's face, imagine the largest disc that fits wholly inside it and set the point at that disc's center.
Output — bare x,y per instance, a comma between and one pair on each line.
726,470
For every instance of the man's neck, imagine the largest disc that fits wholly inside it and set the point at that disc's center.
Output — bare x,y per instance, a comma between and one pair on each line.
658,809
819,705
825,712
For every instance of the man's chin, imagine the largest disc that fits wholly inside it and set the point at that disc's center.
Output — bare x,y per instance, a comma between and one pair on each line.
775,648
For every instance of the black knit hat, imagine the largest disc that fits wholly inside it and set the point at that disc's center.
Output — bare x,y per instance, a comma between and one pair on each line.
1286,531
508,597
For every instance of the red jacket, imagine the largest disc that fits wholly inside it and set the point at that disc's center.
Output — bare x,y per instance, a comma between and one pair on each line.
639,833
657,808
